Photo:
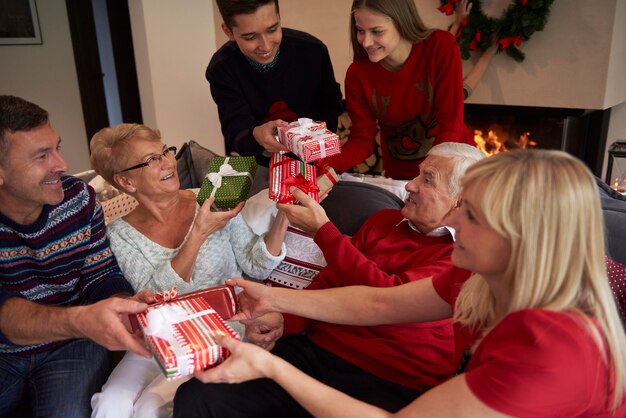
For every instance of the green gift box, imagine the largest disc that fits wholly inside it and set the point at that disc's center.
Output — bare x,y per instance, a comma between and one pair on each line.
228,180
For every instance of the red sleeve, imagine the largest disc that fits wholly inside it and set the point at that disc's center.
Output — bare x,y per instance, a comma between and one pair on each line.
448,283
351,267
538,363
448,100
360,144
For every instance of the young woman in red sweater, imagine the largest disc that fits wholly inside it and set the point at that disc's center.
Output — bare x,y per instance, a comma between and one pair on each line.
406,81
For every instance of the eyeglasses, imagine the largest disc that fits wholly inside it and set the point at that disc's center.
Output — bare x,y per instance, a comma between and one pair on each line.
154,159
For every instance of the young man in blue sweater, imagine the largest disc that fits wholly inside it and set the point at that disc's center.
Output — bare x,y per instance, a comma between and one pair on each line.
58,276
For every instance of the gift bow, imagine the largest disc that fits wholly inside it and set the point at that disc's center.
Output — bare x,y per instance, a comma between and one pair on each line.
166,295
299,181
304,125
304,128
226,170
506,42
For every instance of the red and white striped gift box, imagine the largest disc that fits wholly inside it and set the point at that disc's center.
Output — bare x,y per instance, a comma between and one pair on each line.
284,173
190,341
309,140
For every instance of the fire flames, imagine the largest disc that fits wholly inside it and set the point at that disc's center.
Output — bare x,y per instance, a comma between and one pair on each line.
492,144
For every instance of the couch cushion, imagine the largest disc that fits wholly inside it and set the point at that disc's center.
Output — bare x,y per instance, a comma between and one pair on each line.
117,207
614,212
617,280
193,163
304,259
349,204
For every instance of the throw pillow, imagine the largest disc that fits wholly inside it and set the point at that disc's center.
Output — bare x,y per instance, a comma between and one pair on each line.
117,207
304,259
617,280
193,163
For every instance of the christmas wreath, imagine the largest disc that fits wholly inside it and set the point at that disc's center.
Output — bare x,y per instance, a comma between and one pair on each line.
516,25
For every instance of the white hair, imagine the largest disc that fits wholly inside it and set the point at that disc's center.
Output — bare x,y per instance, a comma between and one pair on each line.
464,154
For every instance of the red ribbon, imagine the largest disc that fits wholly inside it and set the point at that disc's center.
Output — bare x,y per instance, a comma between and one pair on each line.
166,295
447,8
307,186
523,2
473,46
506,42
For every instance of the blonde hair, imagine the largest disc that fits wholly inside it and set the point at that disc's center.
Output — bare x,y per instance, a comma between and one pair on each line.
110,148
402,13
547,205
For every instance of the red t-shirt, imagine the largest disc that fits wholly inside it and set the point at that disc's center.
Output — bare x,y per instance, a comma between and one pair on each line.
535,363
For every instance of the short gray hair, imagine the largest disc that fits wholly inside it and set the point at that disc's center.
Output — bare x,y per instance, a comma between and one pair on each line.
464,154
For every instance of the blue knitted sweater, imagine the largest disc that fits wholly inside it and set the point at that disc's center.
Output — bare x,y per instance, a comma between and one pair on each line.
62,259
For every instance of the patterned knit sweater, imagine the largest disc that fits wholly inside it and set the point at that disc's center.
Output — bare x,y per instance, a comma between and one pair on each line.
62,259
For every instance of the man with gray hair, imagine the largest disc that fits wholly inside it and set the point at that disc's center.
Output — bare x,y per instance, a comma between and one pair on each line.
388,366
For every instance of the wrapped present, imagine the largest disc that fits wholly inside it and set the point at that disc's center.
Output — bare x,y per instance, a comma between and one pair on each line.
221,298
326,180
303,261
286,172
181,335
309,140
228,180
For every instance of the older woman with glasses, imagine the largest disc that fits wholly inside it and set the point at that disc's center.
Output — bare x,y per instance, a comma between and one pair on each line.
168,241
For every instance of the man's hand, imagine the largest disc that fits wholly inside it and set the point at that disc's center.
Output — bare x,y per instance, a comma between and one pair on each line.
105,323
144,296
265,330
309,216
254,301
265,135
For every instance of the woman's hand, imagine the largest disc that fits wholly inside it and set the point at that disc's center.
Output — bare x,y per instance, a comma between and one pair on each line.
462,11
246,362
209,221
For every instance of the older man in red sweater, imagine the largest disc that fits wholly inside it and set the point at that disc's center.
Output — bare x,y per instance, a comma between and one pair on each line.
388,365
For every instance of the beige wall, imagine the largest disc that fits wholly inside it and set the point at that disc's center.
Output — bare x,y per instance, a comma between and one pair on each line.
46,75
173,43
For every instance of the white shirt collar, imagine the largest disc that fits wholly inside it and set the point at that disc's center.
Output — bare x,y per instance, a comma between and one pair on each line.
437,232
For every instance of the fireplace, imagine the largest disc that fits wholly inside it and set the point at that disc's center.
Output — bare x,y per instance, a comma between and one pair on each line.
579,132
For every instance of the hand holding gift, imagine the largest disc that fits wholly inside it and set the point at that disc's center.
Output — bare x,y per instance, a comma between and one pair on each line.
286,172
309,216
181,332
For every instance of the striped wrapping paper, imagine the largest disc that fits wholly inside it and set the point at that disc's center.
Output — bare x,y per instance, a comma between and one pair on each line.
191,345
309,140
283,167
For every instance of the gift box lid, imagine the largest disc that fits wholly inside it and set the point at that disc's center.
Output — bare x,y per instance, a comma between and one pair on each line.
221,298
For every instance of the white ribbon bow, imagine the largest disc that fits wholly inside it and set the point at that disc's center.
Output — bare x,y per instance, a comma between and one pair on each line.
304,125
305,129
226,170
